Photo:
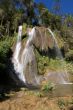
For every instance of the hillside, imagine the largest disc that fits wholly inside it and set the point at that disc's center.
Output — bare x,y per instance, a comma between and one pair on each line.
36,56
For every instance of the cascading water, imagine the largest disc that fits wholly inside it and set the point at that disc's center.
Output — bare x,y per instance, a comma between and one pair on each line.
62,77
58,52
28,59
15,60
26,65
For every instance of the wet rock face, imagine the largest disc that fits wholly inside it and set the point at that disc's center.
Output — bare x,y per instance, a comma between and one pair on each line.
24,59
42,39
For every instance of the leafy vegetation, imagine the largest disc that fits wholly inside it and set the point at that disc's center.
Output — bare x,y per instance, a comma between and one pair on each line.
29,13
16,12
69,55
42,62
61,104
49,87
5,52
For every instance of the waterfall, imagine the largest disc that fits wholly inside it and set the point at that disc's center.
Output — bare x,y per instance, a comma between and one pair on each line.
24,62
28,59
27,67
63,76
58,52
15,59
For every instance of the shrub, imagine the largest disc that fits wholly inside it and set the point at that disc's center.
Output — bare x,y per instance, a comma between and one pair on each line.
61,104
42,62
5,50
56,64
48,87
69,55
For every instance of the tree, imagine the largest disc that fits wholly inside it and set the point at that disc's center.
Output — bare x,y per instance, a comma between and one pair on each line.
28,10
9,16
69,20
48,18
8,8
56,8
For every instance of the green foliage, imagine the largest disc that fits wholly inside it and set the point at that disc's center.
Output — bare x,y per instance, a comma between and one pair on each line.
69,67
49,19
39,94
69,21
61,104
5,49
7,15
55,22
48,87
5,46
2,29
24,28
66,33
14,21
42,62
57,65
69,55
10,15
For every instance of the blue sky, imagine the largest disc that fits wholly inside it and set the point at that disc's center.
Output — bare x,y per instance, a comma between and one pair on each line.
66,5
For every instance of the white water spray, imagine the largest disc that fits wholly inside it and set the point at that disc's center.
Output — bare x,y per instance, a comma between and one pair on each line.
27,65
15,60
28,58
